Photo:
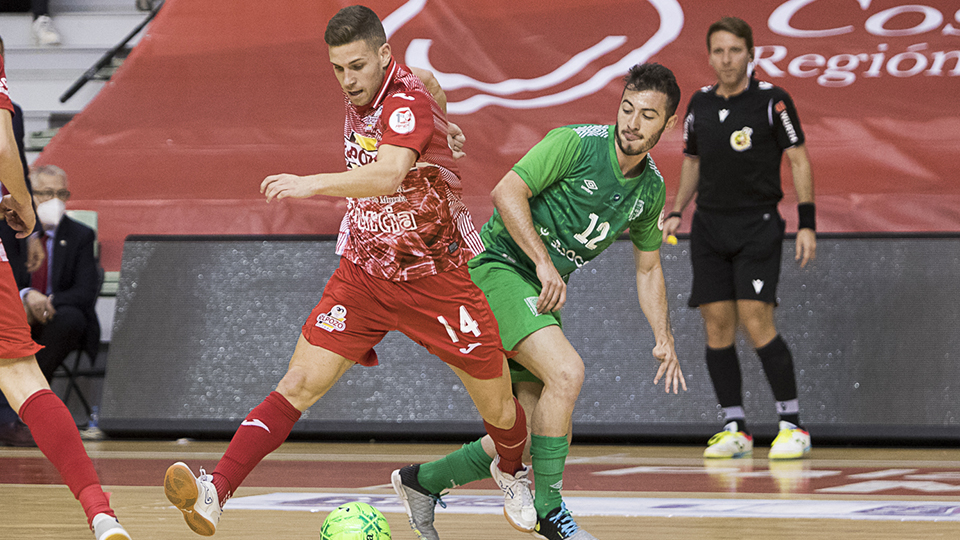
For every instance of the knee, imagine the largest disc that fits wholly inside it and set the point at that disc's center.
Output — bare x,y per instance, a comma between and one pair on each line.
295,387
565,379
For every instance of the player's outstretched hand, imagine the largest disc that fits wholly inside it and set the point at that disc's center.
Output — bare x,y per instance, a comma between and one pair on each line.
669,368
806,246
554,292
281,186
455,140
19,217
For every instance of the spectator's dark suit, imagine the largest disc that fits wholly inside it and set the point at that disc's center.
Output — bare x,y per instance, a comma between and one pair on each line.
75,281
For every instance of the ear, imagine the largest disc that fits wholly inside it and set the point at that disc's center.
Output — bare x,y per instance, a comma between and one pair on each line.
671,123
385,53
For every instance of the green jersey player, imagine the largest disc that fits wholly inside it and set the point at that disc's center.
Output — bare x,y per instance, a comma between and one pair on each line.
561,205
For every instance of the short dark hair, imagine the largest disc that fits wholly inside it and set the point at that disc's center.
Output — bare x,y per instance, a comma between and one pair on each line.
653,76
735,26
354,23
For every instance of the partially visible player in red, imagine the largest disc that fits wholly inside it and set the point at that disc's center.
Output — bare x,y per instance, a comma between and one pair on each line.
405,243
21,381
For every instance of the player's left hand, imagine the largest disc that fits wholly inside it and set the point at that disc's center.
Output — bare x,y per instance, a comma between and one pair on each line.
19,217
806,246
281,186
669,368
455,140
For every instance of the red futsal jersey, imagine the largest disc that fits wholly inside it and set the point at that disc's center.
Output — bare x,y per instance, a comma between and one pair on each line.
424,228
15,341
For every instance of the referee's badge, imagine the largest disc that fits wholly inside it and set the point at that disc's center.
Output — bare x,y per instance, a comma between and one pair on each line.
740,140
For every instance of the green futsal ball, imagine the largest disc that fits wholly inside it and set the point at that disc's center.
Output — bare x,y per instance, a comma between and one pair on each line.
355,521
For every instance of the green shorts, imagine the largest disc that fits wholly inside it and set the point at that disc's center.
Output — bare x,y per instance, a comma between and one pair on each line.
513,299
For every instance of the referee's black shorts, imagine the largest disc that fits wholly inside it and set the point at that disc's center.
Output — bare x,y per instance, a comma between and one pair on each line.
735,255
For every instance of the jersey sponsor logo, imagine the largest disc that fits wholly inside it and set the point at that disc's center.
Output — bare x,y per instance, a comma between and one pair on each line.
359,150
723,114
3,86
740,140
589,186
570,254
385,221
660,219
636,210
334,320
757,285
3,254
787,124
592,131
403,121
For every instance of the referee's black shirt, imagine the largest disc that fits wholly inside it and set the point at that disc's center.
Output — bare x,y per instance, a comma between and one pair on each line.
740,142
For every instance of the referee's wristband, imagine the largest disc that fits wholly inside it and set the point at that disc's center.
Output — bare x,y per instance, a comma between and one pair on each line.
677,215
808,216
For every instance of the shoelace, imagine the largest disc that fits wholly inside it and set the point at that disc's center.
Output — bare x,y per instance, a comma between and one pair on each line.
564,521
438,500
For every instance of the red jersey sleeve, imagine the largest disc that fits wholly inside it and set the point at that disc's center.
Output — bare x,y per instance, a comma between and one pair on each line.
407,121
5,102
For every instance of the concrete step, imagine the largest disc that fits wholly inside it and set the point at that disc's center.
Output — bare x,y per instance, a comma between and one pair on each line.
77,30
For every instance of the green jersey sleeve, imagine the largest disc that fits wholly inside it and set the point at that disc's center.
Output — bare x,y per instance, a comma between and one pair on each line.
550,160
646,232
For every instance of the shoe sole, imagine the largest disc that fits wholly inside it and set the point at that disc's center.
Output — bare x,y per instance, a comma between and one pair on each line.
116,536
515,525
787,457
180,487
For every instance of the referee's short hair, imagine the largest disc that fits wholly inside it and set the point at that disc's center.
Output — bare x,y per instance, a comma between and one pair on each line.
354,23
735,26
653,76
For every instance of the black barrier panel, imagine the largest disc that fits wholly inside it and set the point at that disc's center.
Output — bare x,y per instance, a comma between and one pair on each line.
204,329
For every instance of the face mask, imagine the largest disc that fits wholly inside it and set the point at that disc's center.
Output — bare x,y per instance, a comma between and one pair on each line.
50,212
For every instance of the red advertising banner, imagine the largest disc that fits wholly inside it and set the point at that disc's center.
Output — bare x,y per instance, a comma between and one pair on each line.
220,94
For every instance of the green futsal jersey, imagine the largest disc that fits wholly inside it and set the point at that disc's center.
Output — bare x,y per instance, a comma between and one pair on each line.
581,201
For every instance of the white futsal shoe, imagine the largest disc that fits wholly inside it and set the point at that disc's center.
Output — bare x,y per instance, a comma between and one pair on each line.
195,497
106,527
517,499
791,443
729,443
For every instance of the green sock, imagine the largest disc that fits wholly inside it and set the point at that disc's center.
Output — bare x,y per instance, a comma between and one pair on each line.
461,467
549,455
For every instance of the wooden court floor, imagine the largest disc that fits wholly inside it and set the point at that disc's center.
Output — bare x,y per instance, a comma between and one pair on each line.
692,499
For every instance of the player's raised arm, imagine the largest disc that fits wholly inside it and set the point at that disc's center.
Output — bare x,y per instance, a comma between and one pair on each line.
652,293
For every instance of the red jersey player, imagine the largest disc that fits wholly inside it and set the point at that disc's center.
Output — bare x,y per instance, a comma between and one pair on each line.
21,380
405,244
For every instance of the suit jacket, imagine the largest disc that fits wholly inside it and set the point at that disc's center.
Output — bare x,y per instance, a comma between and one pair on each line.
75,276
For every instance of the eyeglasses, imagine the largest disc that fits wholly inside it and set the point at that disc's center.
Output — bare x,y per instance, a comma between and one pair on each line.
45,194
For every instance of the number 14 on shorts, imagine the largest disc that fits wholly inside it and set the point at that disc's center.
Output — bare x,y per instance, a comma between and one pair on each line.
467,326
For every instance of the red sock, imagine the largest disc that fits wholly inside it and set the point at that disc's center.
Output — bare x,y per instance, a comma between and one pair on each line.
509,442
262,432
52,427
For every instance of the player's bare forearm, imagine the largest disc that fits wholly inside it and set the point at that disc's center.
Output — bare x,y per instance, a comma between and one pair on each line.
382,177
432,85
652,294
511,197
11,171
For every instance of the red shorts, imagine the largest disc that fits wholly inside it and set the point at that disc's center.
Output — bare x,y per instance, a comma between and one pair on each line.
15,341
446,313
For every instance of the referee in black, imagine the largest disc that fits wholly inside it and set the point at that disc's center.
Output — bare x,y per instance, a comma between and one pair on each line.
735,133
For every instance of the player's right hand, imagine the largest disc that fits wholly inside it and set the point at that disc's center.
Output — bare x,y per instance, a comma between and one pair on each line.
20,217
554,293
455,140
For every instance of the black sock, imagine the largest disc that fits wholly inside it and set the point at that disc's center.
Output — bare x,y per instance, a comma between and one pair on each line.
778,366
